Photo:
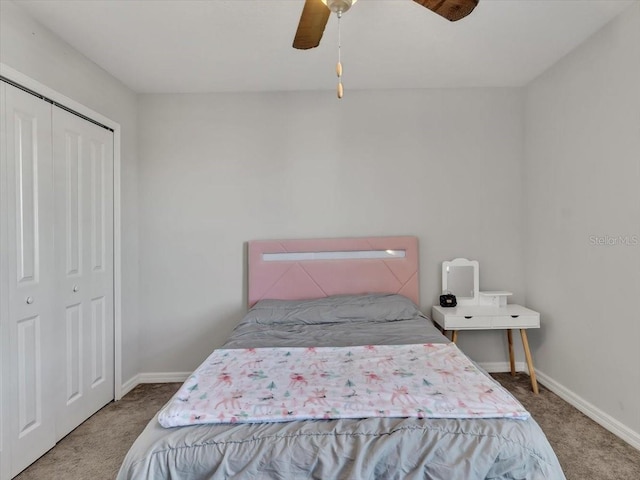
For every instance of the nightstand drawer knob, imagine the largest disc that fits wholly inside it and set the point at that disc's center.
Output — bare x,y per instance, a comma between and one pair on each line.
470,316
515,316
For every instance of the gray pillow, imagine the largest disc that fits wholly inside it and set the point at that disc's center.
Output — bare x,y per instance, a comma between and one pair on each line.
334,309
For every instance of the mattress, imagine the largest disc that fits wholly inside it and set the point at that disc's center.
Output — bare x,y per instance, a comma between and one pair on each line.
369,448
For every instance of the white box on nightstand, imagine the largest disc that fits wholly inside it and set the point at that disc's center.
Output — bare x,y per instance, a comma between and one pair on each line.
493,299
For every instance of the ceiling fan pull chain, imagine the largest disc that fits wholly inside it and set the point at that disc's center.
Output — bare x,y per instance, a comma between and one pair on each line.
339,64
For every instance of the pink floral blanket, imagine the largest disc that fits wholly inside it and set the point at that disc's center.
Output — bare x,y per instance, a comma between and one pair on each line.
285,384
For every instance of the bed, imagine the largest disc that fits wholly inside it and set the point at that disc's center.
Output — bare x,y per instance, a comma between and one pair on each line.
341,294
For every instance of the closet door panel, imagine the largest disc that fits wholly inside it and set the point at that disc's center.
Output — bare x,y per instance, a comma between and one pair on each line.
83,164
101,262
73,357
29,276
99,337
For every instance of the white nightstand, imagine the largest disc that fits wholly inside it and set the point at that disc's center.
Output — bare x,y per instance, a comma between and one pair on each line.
491,318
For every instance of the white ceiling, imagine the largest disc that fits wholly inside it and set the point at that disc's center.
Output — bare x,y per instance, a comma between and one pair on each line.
161,46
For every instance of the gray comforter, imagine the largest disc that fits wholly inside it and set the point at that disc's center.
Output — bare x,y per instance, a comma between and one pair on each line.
372,448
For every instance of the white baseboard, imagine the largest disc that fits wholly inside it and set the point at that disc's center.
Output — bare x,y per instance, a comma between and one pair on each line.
161,377
129,385
591,411
164,377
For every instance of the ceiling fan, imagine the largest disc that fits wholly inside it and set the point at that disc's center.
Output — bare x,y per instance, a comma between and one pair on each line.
315,15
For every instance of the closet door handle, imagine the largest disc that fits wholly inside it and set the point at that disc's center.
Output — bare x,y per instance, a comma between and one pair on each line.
470,316
515,316
75,288
29,300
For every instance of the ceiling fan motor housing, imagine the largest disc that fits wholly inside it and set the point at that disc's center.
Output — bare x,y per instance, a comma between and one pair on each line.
339,6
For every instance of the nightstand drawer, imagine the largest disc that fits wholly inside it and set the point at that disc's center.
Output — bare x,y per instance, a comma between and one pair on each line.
516,321
468,322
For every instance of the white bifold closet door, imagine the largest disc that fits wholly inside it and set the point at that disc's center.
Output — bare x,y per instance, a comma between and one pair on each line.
29,358
57,337
83,233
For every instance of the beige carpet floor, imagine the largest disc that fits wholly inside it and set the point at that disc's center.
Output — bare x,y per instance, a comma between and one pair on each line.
95,449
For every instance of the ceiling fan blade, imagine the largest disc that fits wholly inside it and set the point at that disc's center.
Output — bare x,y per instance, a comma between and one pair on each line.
311,26
452,10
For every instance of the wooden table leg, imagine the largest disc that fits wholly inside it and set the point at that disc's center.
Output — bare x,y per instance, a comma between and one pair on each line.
527,354
454,336
512,359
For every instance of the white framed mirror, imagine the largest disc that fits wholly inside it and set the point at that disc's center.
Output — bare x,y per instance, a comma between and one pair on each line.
461,277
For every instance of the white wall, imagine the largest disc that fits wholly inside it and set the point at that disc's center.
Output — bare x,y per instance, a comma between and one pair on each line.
28,47
582,180
221,169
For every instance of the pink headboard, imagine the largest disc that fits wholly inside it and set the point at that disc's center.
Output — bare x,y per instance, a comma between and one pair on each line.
316,278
